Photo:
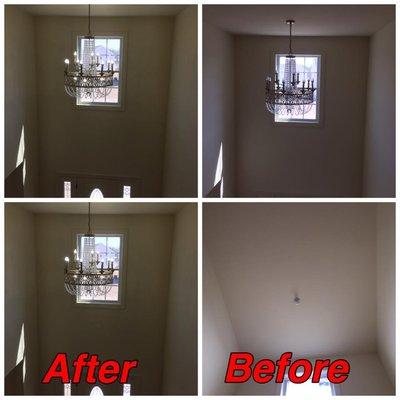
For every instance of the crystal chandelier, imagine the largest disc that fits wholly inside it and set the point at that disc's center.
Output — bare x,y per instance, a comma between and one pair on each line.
86,275
289,96
88,77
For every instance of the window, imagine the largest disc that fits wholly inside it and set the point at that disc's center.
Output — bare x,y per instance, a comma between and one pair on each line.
109,247
67,189
126,192
96,194
108,49
323,389
308,67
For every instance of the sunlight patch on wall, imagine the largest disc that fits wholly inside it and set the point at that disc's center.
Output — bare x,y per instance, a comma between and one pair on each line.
219,172
21,352
21,154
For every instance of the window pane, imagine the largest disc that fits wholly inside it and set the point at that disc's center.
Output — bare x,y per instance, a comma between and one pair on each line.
307,67
311,64
112,97
67,190
107,49
108,248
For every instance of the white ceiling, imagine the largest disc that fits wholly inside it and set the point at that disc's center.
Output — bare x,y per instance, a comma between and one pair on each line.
104,10
311,20
103,208
264,253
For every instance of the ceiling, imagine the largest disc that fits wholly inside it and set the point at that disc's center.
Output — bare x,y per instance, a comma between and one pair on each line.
311,20
104,10
264,254
103,208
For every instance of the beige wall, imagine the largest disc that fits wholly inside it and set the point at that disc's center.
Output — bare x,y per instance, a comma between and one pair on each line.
116,143
135,331
386,284
180,164
281,159
20,296
180,363
218,334
218,107
379,158
20,99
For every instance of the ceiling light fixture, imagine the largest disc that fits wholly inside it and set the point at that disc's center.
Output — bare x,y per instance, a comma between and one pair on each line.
88,77
289,96
86,275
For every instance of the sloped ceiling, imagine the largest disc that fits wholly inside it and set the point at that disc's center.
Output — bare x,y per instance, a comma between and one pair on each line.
311,20
264,254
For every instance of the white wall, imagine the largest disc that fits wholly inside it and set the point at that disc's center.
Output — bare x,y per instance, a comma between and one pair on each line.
180,163
386,284
218,107
127,143
282,159
135,331
379,158
20,295
218,334
180,363
20,99
367,377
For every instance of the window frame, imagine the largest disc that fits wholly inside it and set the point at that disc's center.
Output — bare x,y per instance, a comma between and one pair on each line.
283,387
297,122
123,267
120,106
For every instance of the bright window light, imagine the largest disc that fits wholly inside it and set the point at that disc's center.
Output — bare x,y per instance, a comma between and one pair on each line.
96,194
126,192
109,50
322,390
308,67
67,189
109,247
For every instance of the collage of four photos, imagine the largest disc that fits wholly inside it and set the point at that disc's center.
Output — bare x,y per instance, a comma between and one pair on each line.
189,183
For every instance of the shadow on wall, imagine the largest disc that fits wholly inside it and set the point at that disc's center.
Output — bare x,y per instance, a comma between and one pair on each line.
15,182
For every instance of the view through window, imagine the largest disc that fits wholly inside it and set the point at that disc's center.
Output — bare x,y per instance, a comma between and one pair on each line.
322,390
308,67
108,49
109,247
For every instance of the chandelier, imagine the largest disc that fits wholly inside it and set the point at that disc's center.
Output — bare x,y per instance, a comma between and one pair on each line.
88,77
85,275
289,96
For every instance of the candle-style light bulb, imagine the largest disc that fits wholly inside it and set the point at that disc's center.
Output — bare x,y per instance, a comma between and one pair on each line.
66,259
75,57
66,61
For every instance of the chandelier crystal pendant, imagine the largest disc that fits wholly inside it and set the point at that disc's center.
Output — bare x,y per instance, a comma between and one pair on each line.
85,275
88,77
289,96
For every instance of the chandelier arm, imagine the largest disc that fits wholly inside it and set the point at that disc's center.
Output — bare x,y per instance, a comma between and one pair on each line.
290,37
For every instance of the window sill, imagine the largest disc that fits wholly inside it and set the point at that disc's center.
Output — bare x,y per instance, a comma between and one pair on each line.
108,107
